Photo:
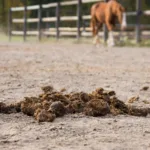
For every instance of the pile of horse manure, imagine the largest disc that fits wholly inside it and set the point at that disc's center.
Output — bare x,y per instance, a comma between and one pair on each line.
8,109
52,104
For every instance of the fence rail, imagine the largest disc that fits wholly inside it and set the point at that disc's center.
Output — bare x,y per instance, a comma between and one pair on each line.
59,31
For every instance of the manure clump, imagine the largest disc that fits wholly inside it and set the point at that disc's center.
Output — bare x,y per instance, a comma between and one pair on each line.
97,107
42,115
52,104
57,108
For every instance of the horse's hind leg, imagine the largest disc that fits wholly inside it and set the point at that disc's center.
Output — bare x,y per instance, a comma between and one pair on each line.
96,36
93,25
111,41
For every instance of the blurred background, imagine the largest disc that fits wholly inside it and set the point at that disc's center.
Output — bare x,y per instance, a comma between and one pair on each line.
65,11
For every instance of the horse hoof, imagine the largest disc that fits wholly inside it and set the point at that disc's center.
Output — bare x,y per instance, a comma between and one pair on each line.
97,46
110,44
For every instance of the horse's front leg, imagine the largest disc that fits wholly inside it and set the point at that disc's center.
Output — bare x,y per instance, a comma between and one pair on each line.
110,41
123,23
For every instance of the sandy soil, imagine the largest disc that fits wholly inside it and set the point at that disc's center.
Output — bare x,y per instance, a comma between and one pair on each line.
24,68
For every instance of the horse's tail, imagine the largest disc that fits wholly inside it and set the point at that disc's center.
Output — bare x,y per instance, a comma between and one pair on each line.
122,17
93,21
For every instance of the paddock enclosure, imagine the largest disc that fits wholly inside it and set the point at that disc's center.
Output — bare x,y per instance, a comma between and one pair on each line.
75,24
26,67
74,66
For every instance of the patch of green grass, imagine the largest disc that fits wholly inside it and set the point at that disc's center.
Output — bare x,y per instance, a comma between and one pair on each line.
72,40
145,43
3,37
132,43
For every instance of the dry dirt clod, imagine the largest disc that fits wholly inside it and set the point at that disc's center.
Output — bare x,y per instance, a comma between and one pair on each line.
96,107
145,88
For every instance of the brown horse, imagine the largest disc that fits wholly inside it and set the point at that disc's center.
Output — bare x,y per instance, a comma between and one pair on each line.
107,13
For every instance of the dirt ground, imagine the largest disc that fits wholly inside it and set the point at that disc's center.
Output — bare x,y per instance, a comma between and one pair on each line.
24,68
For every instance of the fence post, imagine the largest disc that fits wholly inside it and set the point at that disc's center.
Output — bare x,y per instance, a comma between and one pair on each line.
25,21
105,29
57,20
9,23
47,15
40,22
137,29
79,15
